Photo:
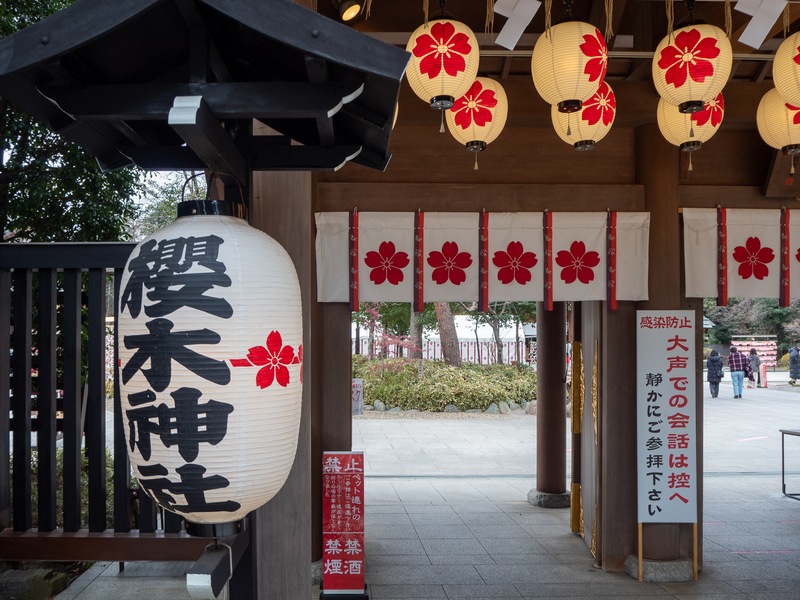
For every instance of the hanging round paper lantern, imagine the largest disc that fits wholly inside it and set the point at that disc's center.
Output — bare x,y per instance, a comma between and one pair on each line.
568,64
779,123
786,69
591,123
691,66
211,364
689,130
478,117
444,62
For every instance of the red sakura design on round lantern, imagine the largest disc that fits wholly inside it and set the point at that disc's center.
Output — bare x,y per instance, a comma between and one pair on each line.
444,62
691,66
449,264
594,47
474,106
386,264
591,124
577,263
778,122
753,259
515,264
712,112
273,359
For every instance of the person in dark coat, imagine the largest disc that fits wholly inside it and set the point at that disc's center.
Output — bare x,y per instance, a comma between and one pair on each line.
715,372
794,364
755,364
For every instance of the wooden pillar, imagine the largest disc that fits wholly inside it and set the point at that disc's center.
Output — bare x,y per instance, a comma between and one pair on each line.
281,207
575,335
658,170
551,409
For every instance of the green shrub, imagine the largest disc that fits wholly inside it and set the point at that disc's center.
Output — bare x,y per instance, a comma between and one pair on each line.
784,361
60,488
395,382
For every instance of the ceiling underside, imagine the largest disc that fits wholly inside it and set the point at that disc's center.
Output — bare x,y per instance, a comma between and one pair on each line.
638,25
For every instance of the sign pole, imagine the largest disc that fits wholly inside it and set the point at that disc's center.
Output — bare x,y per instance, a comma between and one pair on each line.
641,552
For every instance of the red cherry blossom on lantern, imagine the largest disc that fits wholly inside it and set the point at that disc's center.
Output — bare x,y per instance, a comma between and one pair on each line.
274,358
577,263
796,119
449,264
475,105
797,56
514,264
298,360
602,105
386,264
753,259
688,56
594,46
442,49
713,110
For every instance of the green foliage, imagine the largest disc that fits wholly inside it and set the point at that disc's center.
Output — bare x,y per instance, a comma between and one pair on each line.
754,316
719,334
395,382
60,487
50,189
161,197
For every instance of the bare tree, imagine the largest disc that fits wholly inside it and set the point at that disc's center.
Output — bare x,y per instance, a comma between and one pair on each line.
447,334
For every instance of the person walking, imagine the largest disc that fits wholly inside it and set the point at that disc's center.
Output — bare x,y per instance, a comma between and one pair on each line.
794,364
739,365
715,372
755,364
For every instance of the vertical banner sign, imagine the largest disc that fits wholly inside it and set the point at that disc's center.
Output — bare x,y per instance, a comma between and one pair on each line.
666,416
358,397
343,522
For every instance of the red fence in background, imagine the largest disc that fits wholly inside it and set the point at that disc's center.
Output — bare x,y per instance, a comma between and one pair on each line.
484,353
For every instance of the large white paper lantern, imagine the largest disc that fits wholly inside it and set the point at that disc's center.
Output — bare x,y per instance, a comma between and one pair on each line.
478,117
691,66
786,69
444,62
689,131
779,123
591,123
568,64
210,338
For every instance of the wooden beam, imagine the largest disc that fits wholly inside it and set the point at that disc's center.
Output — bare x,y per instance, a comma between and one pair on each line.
192,119
107,545
216,565
445,197
274,100
779,183
730,196
317,71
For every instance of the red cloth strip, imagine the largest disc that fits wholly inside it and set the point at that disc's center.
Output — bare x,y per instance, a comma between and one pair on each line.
483,245
548,258
786,294
419,226
353,261
722,258
611,261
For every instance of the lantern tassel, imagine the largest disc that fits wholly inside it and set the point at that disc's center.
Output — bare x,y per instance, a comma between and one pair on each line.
690,162
791,171
441,127
670,18
691,128
475,168
610,20
569,127
729,19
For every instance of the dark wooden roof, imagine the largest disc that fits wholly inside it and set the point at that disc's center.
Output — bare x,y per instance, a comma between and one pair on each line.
106,75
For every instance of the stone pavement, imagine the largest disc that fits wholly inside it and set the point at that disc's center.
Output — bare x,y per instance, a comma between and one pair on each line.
447,516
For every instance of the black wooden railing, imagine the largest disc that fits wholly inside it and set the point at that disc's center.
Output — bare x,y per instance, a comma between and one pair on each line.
70,282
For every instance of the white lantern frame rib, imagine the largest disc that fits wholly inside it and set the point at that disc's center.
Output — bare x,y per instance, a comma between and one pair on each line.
438,49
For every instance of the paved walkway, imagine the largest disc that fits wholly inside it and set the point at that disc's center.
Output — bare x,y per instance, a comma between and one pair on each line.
447,516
